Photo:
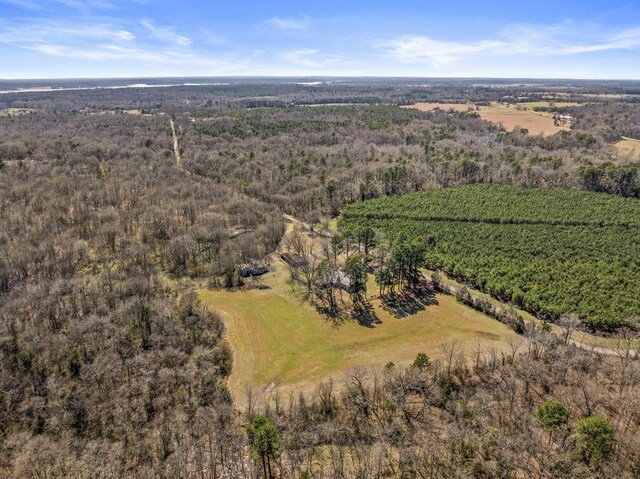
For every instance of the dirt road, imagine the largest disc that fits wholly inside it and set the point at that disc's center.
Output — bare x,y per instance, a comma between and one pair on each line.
292,219
176,149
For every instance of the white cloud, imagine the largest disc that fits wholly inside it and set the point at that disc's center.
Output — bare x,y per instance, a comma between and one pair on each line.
107,45
292,23
625,40
99,52
212,38
144,56
421,48
166,34
309,58
28,4
567,38
25,33
100,41
303,57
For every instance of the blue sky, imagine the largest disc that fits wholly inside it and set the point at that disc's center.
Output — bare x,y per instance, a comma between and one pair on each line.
128,38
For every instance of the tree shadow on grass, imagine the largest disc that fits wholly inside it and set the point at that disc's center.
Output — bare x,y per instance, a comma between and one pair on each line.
409,302
337,317
365,316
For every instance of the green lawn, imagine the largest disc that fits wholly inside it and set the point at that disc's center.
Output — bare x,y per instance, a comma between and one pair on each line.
581,336
280,340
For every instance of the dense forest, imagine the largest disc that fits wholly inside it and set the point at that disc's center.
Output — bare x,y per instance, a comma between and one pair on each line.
551,252
110,367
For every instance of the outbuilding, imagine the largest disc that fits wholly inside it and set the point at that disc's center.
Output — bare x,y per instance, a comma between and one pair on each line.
293,260
253,269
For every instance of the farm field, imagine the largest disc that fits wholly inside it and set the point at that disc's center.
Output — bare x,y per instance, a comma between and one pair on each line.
629,148
283,343
509,117
443,106
547,104
551,252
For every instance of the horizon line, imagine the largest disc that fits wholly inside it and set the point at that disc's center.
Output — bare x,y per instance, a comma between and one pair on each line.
318,77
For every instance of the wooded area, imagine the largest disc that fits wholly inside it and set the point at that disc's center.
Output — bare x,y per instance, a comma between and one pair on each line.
110,366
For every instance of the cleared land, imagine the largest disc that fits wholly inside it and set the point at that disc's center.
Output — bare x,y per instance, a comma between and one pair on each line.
281,341
628,148
16,111
509,117
531,105
134,112
330,104
444,106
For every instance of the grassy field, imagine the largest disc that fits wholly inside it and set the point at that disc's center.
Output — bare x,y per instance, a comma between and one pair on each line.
509,117
134,112
16,111
547,104
281,342
628,148
444,106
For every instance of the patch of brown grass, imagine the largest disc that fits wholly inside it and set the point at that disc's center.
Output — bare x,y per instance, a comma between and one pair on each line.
507,116
628,148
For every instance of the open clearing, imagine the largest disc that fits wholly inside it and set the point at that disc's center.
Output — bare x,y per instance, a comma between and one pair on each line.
531,105
509,116
628,148
444,106
282,342
134,112
331,104
16,111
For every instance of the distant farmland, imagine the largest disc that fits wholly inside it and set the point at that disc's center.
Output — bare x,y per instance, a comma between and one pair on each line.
532,105
509,117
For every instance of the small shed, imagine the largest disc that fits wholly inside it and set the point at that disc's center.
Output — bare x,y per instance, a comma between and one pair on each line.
293,260
253,269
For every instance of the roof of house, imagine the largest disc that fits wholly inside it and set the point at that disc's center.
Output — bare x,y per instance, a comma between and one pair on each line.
294,260
253,269
338,278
